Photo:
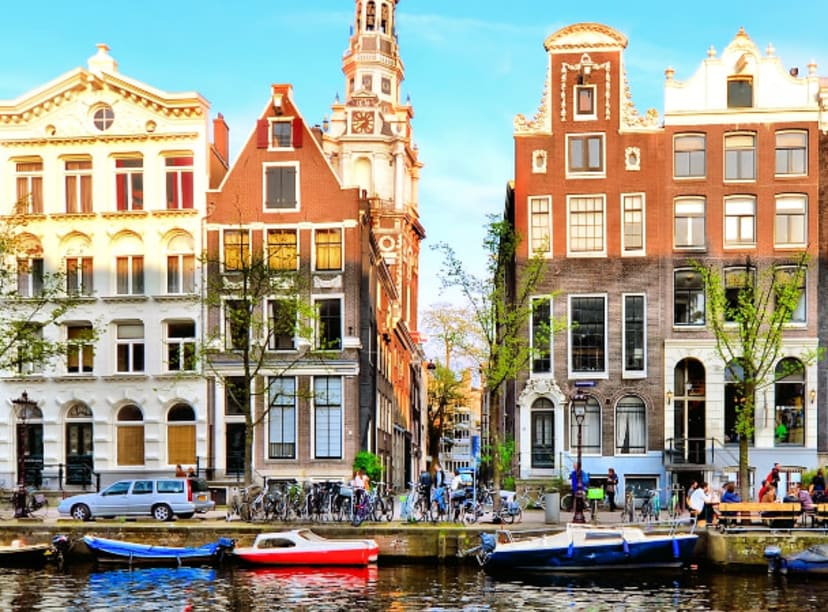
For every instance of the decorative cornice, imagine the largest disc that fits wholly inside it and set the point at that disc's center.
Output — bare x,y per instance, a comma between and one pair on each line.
108,138
586,61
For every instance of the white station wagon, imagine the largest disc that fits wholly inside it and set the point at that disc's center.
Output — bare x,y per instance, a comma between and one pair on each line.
161,498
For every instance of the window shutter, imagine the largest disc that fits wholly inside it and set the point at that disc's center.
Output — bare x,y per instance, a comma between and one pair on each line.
297,132
262,134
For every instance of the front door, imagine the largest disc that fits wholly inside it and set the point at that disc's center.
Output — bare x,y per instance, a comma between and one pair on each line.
79,453
234,447
689,411
30,453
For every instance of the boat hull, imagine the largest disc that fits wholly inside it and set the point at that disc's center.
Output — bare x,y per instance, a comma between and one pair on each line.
116,552
811,561
591,551
26,556
303,547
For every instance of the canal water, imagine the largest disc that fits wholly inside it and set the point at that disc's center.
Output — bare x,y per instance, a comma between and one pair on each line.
398,588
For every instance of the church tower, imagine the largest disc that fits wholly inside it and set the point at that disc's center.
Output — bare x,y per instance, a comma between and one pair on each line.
369,142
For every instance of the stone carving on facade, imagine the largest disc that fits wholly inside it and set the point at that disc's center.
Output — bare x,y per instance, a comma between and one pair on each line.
629,114
537,387
586,66
539,161
541,118
335,282
632,158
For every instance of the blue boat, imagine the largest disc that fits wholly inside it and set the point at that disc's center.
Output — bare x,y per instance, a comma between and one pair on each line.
117,552
812,560
583,548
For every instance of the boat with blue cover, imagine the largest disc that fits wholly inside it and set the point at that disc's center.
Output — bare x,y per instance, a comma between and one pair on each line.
812,560
582,548
130,553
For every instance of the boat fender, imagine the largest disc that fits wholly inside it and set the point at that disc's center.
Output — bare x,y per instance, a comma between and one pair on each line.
675,548
571,550
626,546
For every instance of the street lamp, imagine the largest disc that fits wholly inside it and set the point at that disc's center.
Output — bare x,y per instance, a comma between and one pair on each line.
579,402
24,407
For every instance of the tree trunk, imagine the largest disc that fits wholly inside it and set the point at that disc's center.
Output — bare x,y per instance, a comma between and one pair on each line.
496,439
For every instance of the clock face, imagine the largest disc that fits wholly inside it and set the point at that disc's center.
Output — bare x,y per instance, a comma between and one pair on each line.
362,122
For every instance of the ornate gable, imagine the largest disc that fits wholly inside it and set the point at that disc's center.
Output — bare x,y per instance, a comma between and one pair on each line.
586,36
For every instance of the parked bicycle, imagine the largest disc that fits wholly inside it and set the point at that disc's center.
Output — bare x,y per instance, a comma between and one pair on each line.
628,513
651,506
531,498
383,503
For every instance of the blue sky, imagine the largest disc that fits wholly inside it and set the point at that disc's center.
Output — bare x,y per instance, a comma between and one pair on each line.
471,66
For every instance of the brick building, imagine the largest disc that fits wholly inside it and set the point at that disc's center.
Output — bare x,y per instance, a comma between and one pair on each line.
619,204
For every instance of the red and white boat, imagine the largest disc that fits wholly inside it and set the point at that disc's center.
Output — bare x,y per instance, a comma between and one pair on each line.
304,547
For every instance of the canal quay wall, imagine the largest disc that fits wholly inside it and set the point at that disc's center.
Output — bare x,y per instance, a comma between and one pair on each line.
398,542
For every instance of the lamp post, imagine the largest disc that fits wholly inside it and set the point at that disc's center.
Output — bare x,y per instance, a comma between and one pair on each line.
24,405
579,401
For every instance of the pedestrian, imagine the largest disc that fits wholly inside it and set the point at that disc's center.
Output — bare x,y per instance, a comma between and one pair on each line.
191,474
730,495
773,476
179,471
610,487
817,488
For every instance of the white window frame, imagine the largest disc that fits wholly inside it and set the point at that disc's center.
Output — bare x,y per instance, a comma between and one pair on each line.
689,153
131,345
576,114
788,152
315,299
297,187
266,242
571,252
314,262
549,347
739,150
583,374
271,380
314,440
272,143
132,279
802,319
536,229
786,210
181,274
182,342
270,335
225,329
81,278
580,173
128,173
689,201
625,373
179,172
81,346
31,276
642,222
738,222
29,177
78,174
242,231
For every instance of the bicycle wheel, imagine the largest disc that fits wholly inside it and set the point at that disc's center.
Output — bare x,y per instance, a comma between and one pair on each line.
38,510
567,502
435,513
343,511
388,508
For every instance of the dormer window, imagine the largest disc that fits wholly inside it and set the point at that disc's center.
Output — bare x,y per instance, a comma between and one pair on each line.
740,92
280,134
584,102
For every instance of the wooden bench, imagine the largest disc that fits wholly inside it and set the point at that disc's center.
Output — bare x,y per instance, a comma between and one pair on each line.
780,515
821,514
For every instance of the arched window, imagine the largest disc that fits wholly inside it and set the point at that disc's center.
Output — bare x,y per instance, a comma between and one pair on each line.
789,392
130,435
181,435
630,426
543,433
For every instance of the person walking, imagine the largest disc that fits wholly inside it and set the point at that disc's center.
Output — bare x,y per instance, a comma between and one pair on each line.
610,488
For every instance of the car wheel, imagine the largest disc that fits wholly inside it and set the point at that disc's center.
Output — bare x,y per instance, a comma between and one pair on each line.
81,512
162,512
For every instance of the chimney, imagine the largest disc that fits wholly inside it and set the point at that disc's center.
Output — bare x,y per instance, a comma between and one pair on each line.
221,138
102,61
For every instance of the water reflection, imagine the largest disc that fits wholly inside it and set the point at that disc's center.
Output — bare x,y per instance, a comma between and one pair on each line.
396,588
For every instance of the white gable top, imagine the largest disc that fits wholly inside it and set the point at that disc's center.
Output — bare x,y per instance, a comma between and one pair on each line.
582,36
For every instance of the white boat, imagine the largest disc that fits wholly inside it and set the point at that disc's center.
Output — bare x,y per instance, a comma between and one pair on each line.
304,547
587,548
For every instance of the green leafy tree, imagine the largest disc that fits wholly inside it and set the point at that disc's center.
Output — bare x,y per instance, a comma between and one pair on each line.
445,389
371,463
500,303
265,306
32,299
747,315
